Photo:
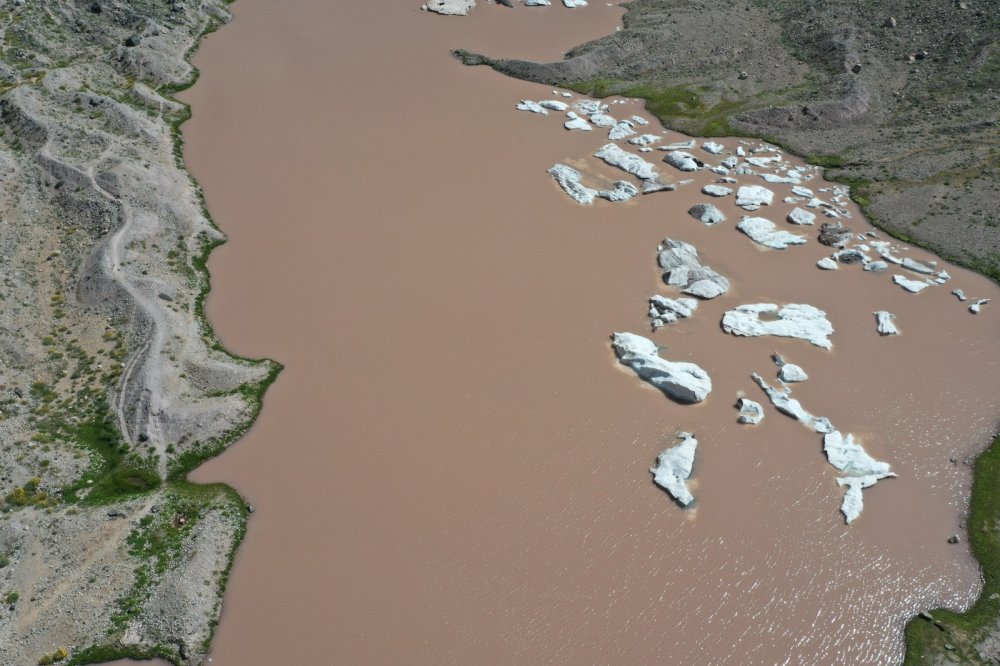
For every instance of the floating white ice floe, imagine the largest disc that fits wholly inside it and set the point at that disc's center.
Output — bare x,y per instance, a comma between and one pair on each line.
974,308
712,147
603,120
784,402
553,104
764,232
912,286
884,323
795,320
639,120
682,381
716,190
707,214
683,161
663,310
752,197
682,268
569,180
673,468
572,4
645,139
615,156
959,293
534,107
862,471
450,7
789,372
799,216
827,264
621,130
751,412
575,122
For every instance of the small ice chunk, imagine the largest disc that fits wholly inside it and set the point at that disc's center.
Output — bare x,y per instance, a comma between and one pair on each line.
912,286
827,264
716,190
795,320
884,324
789,372
620,131
751,412
974,308
673,468
706,214
603,120
712,147
534,107
553,104
799,216
575,122
765,233
959,293
683,161
682,381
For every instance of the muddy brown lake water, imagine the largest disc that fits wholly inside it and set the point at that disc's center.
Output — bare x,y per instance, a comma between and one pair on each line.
453,468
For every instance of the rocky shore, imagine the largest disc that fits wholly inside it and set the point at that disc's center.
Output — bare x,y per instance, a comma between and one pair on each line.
112,384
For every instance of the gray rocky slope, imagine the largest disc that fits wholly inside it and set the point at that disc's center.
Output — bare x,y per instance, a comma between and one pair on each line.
898,98
112,386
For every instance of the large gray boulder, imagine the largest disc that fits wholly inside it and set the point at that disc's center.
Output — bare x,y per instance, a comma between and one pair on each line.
684,382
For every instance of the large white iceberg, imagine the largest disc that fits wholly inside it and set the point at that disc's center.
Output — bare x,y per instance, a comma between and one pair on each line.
795,320
682,381
673,468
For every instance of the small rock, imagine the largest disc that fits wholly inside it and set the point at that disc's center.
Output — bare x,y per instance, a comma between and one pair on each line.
856,68
133,40
743,75
953,539
889,22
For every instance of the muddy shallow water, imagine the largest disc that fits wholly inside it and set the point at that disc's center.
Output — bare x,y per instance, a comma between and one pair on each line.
453,467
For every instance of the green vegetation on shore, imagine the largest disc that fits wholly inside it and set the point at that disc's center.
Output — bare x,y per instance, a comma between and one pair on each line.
944,632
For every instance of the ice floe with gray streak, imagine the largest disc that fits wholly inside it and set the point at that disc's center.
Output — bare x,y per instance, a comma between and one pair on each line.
682,268
569,180
751,412
682,381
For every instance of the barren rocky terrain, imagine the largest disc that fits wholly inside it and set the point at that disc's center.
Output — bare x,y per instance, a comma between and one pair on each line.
112,386
898,99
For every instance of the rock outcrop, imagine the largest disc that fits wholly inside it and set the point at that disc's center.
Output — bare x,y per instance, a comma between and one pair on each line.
860,470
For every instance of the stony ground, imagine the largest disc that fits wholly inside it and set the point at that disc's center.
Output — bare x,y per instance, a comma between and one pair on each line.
899,98
112,385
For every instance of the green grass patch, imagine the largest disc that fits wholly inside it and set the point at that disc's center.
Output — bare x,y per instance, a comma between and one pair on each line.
926,640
